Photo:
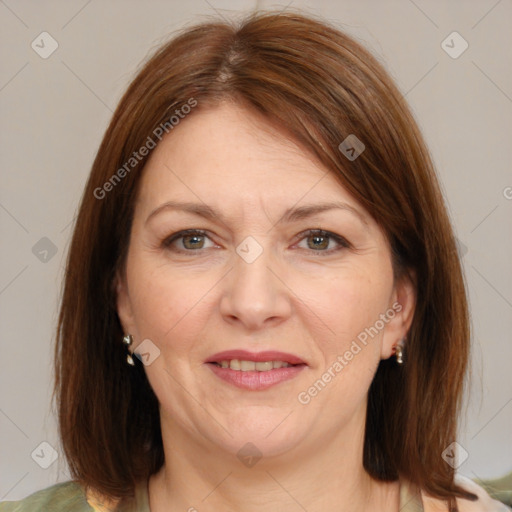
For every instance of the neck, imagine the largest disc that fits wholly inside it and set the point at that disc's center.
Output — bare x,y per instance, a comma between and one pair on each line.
325,476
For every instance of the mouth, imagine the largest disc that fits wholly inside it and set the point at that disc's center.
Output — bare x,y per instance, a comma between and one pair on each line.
247,366
255,371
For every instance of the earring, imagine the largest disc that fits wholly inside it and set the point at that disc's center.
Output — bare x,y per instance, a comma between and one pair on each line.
399,351
128,340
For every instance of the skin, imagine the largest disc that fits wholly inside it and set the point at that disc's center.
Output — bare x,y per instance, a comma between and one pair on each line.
293,298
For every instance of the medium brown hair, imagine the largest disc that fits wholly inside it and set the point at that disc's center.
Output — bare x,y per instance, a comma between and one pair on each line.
319,85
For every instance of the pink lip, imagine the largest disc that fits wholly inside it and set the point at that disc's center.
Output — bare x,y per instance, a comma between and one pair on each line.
254,380
244,355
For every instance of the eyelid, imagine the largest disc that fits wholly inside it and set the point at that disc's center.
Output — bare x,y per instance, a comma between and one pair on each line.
181,234
342,242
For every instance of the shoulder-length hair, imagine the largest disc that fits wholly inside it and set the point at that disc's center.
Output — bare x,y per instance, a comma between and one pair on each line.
320,86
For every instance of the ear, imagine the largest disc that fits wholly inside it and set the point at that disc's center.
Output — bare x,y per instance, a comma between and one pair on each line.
124,306
400,313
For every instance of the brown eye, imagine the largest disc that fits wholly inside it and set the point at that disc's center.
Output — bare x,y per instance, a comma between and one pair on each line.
318,242
193,241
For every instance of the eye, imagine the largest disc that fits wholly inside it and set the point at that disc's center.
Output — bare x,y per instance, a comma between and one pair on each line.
189,240
322,241
193,240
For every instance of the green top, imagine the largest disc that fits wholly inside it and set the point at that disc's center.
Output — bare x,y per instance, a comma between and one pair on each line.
70,497
500,488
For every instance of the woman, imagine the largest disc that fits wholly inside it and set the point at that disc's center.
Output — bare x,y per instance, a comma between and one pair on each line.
263,306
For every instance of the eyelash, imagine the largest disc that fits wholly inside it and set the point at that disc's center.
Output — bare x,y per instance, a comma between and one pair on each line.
343,243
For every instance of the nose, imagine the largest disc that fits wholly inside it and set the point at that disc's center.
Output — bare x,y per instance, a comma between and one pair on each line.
255,295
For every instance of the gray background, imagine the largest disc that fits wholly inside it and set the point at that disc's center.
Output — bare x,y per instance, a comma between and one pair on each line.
54,112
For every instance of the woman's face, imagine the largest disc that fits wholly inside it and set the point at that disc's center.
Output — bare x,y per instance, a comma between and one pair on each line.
256,279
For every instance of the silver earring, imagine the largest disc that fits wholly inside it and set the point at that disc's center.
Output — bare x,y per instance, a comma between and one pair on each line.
128,340
399,351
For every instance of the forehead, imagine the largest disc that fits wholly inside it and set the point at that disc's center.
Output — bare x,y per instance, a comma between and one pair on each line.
231,155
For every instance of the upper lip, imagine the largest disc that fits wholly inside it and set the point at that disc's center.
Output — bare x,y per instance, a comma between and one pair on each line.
244,355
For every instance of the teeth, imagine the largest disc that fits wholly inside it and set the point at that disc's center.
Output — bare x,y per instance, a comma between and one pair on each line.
264,366
246,366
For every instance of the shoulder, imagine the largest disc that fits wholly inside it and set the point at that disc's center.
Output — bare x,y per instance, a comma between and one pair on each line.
66,496
484,503
499,488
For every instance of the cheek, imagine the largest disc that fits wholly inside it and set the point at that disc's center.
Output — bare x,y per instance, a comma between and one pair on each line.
349,308
153,297
169,307
348,305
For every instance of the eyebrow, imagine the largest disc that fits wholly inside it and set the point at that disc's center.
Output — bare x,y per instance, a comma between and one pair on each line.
290,215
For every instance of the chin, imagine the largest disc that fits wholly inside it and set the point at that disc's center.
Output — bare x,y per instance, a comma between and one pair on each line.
260,438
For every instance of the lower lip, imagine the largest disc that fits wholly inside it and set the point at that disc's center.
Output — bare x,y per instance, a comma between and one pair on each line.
255,380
